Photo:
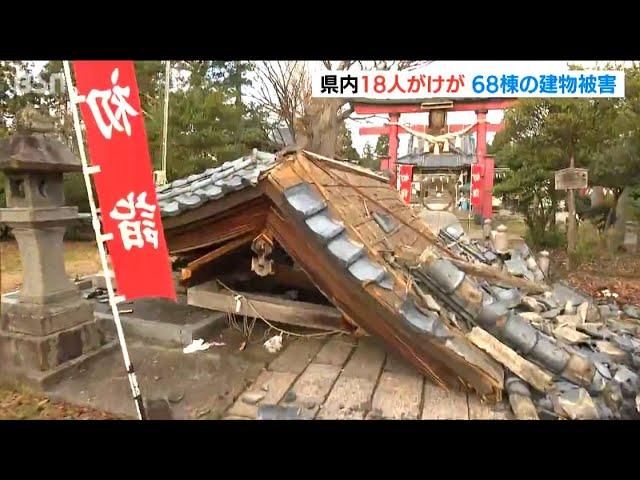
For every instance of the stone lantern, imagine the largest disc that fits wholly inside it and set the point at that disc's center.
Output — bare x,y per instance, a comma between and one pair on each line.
46,326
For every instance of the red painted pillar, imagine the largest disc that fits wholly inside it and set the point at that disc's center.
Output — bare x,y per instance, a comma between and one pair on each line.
487,195
484,210
393,146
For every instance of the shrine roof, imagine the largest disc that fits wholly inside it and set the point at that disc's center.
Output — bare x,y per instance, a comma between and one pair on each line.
214,183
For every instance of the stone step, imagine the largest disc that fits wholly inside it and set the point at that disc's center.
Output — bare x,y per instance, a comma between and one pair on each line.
163,322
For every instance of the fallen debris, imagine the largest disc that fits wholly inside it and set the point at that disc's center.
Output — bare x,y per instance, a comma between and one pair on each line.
200,345
289,397
274,344
318,244
520,399
523,368
570,335
573,402
175,397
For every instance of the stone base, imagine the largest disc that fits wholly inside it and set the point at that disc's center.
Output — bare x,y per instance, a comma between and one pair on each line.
42,381
162,322
42,320
42,353
38,342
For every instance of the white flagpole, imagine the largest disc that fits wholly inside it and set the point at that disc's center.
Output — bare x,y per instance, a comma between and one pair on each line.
165,122
100,239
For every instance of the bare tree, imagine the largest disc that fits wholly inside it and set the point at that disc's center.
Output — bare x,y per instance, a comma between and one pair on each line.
284,89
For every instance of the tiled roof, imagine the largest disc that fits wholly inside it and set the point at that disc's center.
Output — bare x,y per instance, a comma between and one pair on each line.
194,190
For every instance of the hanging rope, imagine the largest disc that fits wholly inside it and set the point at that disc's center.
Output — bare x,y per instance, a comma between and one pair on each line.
436,139
238,296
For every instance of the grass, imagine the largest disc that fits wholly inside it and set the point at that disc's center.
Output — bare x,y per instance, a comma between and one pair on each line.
81,258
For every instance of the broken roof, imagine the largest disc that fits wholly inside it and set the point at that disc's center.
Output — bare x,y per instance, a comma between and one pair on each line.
212,184
382,268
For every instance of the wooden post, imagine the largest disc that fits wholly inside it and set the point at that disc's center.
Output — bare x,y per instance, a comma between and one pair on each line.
571,221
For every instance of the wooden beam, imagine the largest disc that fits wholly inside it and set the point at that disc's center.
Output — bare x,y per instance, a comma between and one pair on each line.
523,368
239,221
217,253
495,275
274,309
523,407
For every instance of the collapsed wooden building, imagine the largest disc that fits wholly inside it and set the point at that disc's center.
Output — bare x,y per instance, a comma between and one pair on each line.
302,239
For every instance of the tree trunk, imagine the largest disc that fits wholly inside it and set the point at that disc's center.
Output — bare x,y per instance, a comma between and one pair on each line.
322,126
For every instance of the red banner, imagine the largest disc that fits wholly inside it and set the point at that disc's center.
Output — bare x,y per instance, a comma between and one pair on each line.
476,185
405,177
117,142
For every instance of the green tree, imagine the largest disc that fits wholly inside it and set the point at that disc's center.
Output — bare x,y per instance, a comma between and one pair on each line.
382,146
369,159
208,120
346,151
540,137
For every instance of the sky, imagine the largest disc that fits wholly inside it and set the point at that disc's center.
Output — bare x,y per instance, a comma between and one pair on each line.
466,118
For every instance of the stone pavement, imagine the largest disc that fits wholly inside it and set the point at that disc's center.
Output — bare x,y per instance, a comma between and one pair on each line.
343,379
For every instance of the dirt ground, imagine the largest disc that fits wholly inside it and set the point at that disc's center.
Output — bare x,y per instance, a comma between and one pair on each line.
619,273
24,405
81,258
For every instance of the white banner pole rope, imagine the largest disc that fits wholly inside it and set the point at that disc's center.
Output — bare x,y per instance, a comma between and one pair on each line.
100,239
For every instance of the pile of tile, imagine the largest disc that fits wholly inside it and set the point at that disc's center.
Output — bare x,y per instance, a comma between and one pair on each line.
589,351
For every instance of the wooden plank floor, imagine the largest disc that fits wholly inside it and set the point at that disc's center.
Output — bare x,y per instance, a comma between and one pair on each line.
341,379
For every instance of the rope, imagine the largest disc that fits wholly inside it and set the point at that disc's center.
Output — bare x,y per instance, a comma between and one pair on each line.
432,138
239,296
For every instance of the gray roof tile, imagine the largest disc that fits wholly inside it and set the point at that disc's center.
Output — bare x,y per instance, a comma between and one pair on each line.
304,199
419,321
322,225
346,250
191,192
367,271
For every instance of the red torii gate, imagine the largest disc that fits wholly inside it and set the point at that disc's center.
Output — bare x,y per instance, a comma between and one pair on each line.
481,107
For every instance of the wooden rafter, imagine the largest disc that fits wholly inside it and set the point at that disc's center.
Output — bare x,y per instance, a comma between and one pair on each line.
214,254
